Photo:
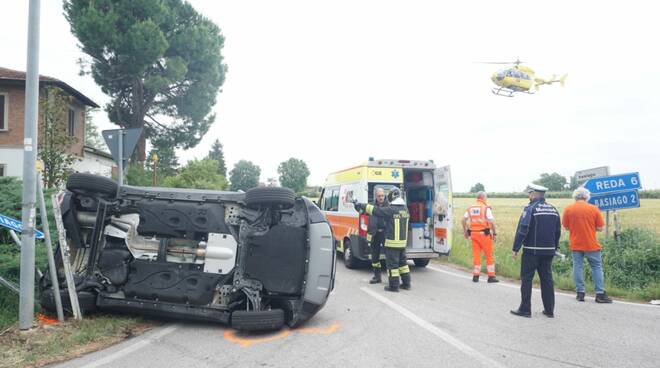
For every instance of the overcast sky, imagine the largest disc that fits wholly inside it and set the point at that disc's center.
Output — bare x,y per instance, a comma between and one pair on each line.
334,83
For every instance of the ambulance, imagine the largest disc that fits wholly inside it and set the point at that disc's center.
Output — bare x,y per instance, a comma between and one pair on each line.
426,189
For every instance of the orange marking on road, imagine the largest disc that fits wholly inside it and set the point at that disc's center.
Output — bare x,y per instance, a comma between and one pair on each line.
321,331
244,342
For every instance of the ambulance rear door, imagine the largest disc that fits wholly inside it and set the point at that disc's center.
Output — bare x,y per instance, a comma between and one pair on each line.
442,211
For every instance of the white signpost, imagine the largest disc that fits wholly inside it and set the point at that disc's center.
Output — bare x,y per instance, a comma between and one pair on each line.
584,175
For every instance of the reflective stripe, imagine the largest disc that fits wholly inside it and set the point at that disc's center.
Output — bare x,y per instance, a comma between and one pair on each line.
546,213
404,269
490,268
397,229
393,272
395,243
369,209
476,270
375,265
369,237
549,247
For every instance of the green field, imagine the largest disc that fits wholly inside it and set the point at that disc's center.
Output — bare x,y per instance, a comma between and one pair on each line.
507,211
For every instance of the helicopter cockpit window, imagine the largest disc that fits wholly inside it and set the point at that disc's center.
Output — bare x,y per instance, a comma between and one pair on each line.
500,75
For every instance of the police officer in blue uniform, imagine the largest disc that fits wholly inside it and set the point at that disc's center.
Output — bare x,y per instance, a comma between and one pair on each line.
537,234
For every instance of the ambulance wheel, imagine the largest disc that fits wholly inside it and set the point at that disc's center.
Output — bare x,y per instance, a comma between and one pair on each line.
280,198
349,260
83,183
421,262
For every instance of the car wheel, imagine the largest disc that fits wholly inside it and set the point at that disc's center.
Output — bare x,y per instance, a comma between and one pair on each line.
421,262
258,321
82,183
281,198
349,259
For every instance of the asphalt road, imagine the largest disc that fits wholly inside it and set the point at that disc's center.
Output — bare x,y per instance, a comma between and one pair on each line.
445,321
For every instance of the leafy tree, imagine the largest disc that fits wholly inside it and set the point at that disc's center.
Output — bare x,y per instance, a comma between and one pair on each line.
554,182
137,174
244,175
92,136
216,154
477,188
293,174
167,162
54,140
198,174
156,59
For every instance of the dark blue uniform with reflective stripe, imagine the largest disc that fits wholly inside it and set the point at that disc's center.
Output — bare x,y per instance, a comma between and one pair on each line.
539,229
538,234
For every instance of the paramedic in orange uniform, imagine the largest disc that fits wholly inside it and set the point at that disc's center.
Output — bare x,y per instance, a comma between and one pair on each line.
482,232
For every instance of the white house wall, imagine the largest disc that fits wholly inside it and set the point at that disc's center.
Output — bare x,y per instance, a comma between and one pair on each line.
12,158
94,164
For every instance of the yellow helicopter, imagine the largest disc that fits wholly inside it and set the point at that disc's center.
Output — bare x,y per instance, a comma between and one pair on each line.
518,78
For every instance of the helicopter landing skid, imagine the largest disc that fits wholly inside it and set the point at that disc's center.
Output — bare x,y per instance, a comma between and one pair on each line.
507,92
503,92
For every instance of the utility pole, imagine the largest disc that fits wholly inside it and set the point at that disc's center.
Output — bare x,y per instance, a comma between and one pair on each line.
26,298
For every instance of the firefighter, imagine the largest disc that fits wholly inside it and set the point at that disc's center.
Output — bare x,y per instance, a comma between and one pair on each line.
537,234
482,233
376,235
396,236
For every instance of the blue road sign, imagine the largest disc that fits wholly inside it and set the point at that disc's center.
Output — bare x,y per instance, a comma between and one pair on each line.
618,200
16,225
613,183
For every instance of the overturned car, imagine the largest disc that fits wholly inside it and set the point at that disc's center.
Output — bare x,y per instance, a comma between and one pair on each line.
256,260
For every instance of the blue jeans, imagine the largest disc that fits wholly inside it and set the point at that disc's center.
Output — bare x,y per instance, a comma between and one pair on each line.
595,263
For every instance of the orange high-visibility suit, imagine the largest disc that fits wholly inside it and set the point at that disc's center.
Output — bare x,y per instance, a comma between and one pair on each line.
480,216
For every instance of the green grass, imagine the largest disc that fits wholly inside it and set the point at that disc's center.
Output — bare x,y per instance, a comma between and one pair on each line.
61,342
507,211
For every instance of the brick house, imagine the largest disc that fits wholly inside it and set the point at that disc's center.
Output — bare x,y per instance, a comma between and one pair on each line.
12,110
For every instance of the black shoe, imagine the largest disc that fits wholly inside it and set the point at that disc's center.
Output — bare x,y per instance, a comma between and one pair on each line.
405,281
475,278
520,313
603,298
375,280
492,279
392,289
580,296
548,314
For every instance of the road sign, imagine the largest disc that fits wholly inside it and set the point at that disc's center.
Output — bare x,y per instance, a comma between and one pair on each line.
16,225
596,172
618,200
613,183
130,139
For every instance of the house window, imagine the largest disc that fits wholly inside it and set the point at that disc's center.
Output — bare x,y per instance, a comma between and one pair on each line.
3,111
72,123
3,169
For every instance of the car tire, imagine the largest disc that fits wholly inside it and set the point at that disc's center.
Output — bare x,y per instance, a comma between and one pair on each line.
280,198
421,262
349,259
82,183
258,321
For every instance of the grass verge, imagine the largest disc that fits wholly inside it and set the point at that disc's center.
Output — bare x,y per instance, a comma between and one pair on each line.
48,344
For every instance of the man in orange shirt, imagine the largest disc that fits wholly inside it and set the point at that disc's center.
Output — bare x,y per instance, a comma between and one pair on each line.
583,220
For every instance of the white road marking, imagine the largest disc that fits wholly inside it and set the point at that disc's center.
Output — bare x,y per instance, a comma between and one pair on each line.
517,287
131,348
466,349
